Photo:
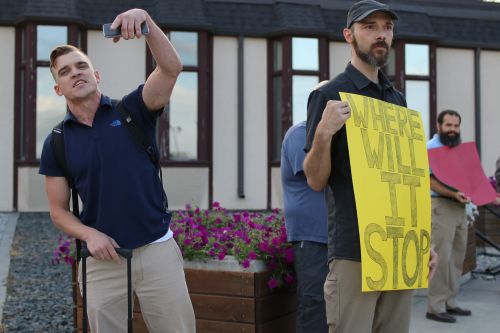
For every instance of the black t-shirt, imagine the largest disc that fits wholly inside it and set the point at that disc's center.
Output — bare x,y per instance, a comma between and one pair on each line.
343,233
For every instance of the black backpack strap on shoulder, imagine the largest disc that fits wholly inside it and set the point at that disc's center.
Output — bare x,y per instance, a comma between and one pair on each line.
139,137
137,133
57,141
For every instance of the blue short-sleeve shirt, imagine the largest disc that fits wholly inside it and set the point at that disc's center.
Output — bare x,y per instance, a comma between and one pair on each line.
305,209
435,142
117,182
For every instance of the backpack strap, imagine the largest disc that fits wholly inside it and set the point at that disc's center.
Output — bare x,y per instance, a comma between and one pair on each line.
137,132
139,137
57,142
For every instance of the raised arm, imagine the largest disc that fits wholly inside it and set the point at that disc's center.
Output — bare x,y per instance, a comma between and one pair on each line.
100,245
160,83
317,164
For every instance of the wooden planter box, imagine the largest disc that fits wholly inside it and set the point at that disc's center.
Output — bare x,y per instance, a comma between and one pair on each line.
225,301
489,225
470,253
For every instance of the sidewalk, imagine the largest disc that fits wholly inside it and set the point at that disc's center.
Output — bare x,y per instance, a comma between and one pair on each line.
8,223
480,294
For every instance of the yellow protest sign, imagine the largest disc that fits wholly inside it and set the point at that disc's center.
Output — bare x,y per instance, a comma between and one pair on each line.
389,165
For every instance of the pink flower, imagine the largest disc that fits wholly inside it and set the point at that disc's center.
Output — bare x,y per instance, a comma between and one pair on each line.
272,283
215,233
289,255
264,247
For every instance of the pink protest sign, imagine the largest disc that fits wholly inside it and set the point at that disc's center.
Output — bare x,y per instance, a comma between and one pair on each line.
460,168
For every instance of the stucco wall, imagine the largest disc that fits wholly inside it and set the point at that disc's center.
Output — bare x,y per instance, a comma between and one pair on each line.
122,65
31,191
340,54
225,106
186,186
455,86
490,110
276,188
7,66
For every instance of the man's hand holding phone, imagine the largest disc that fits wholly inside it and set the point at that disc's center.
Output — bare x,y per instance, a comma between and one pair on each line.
128,25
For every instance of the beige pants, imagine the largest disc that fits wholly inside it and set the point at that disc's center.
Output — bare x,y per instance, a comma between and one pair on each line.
158,281
348,310
449,238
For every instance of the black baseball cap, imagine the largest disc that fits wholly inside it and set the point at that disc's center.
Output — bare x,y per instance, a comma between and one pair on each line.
361,9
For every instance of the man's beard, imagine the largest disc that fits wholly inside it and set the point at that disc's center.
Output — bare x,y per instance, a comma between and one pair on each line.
370,57
450,140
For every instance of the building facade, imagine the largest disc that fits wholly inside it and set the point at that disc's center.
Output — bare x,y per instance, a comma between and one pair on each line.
249,66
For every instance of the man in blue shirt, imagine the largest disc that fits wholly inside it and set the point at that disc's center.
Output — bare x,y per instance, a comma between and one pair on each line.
306,227
449,230
122,195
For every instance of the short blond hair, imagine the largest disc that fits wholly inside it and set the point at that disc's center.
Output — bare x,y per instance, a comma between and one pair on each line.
60,51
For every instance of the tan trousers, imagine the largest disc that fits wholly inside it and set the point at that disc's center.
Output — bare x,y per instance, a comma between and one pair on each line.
348,310
158,281
449,239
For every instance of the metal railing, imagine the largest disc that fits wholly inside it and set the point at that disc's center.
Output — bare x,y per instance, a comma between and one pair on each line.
495,268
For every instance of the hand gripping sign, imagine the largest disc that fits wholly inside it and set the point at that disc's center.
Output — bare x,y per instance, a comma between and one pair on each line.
390,175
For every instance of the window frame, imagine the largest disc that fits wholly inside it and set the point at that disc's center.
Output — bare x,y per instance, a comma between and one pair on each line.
401,77
286,73
204,131
26,65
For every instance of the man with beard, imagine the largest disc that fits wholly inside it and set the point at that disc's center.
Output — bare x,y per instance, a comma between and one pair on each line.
369,31
449,230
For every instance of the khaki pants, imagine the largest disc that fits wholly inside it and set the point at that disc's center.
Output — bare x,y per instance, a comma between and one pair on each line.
348,310
449,239
158,281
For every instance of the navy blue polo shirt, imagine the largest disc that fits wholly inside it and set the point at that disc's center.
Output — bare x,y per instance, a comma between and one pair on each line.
305,209
343,232
117,182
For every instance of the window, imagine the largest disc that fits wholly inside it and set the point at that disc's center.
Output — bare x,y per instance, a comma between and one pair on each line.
411,68
304,58
298,64
50,108
417,81
183,127
38,108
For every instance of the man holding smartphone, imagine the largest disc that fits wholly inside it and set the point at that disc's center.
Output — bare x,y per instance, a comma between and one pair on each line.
122,195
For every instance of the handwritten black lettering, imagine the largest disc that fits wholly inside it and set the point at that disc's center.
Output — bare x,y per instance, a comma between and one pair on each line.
395,233
374,159
378,258
411,236
392,179
413,182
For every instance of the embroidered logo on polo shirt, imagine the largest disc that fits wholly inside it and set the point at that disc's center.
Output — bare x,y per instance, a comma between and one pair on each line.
115,123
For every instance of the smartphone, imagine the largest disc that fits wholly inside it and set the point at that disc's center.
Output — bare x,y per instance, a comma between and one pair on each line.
110,33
